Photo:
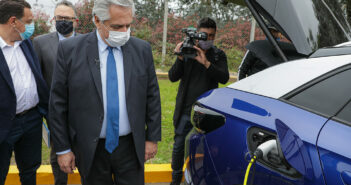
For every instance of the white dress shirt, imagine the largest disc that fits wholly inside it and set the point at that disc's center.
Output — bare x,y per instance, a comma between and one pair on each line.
124,126
22,76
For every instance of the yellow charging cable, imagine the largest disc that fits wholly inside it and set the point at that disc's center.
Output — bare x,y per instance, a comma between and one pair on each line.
253,160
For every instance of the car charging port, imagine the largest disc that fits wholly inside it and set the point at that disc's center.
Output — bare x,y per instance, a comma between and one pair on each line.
266,147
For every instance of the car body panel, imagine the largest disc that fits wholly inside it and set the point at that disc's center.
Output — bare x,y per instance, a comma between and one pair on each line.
335,152
281,79
227,145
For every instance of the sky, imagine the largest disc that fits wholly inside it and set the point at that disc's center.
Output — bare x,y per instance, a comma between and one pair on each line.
46,5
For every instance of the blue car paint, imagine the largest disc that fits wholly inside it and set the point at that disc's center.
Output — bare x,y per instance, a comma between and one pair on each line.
227,145
199,163
335,152
294,150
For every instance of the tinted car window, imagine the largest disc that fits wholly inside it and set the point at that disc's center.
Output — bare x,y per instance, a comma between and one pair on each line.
328,96
345,114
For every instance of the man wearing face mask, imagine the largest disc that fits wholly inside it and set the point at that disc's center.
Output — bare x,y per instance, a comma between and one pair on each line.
23,92
196,76
46,48
105,111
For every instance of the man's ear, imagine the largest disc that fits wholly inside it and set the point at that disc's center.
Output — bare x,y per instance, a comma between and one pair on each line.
12,20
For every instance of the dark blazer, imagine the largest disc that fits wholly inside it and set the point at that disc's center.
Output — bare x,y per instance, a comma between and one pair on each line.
76,104
46,48
7,90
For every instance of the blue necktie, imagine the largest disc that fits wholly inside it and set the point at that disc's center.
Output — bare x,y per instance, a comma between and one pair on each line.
112,130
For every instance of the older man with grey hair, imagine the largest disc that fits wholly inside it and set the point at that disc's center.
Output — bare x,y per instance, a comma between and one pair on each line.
105,111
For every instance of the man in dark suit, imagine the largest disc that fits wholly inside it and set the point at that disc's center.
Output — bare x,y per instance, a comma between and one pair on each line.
23,93
46,48
105,112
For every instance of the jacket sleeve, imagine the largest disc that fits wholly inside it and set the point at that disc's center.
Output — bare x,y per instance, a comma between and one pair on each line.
245,65
153,102
219,70
176,71
58,104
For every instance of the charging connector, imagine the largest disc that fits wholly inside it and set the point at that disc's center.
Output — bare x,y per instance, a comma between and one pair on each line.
265,148
262,151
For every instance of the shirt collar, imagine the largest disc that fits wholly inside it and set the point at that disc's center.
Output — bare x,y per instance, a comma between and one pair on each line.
3,44
61,37
102,45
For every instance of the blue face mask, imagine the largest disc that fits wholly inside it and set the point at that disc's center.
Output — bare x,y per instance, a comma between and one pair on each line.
28,32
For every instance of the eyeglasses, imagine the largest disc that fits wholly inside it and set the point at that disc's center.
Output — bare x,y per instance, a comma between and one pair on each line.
62,18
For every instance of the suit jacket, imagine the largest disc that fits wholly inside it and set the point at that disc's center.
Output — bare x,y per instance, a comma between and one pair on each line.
46,48
7,91
76,104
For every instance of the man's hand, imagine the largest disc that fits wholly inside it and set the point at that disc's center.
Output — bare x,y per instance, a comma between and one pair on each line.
67,162
177,50
150,150
201,57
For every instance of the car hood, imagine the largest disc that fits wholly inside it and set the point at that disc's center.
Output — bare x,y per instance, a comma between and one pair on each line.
309,24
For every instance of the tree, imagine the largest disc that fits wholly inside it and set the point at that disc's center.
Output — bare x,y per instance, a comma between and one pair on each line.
40,23
85,16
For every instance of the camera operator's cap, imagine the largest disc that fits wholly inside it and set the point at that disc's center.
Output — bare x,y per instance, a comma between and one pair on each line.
271,27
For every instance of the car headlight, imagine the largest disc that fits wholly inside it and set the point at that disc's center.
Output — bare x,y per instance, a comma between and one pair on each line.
206,120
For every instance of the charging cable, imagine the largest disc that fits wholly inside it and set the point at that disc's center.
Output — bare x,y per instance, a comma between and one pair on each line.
261,152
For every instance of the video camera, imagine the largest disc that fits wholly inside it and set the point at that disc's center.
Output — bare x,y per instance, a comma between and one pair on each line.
187,50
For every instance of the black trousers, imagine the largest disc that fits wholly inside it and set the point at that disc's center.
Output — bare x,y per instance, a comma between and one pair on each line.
119,168
59,176
25,140
181,132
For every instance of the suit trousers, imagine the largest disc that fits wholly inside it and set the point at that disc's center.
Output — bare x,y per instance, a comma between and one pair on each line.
25,140
119,168
59,176
181,132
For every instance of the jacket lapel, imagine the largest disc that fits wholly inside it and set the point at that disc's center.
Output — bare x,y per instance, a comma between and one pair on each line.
94,62
128,64
5,72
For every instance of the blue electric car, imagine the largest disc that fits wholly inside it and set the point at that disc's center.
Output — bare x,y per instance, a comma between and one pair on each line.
303,107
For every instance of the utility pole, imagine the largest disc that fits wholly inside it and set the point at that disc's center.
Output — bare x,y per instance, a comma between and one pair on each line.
164,39
253,28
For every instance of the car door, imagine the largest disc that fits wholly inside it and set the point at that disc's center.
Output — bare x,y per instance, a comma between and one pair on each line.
334,148
329,97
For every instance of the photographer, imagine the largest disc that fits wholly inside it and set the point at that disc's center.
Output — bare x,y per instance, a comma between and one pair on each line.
197,75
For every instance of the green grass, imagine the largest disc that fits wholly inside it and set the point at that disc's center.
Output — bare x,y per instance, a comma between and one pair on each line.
168,91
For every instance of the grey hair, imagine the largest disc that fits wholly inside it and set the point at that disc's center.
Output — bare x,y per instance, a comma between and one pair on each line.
67,3
101,7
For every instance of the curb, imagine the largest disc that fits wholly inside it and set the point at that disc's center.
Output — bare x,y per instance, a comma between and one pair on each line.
154,173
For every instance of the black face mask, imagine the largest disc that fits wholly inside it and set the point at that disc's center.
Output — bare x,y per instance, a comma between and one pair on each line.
64,27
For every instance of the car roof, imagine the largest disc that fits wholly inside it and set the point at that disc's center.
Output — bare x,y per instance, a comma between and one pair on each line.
279,80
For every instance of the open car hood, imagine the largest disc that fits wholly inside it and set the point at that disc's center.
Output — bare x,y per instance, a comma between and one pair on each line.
309,24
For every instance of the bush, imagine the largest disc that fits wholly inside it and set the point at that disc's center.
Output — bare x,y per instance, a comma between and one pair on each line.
234,58
40,23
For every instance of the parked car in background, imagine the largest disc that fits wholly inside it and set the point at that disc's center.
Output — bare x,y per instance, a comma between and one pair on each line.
304,106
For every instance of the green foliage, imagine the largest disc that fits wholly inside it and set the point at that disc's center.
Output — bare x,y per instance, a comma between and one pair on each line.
40,23
85,16
234,57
